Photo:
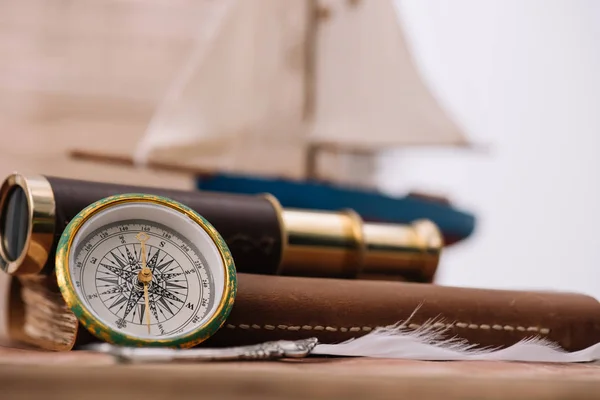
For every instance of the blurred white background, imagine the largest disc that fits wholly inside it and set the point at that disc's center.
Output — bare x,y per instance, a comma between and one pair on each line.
523,78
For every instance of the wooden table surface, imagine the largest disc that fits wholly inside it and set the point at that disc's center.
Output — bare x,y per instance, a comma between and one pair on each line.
35,374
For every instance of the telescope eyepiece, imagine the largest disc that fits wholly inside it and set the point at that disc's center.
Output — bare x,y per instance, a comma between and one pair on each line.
27,222
14,223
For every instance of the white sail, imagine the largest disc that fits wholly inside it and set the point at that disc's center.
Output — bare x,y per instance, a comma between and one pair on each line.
238,85
370,95
238,102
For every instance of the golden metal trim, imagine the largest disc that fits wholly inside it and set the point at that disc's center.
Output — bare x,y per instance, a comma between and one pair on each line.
40,228
355,267
341,245
103,331
322,243
432,245
282,226
412,251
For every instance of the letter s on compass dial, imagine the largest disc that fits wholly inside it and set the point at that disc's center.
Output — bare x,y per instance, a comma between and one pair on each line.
144,270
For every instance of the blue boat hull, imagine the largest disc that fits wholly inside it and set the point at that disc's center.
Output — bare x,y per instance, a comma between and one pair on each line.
455,225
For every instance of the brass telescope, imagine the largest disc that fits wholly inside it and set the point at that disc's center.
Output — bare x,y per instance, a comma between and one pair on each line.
263,237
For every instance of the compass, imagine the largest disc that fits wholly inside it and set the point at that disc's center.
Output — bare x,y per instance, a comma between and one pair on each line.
144,270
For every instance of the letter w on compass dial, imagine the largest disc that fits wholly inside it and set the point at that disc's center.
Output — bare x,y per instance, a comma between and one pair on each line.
123,295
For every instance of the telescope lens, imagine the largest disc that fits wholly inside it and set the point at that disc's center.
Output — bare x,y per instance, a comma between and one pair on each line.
14,223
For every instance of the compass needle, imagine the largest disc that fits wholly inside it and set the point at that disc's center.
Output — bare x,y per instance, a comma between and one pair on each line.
147,306
145,275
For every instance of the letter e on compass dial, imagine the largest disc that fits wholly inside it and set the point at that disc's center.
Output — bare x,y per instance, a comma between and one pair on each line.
100,258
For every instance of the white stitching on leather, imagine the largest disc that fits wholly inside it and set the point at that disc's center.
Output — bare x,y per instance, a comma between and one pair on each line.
463,325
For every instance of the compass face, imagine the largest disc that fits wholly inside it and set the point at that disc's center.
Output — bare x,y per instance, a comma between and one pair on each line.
146,271
107,266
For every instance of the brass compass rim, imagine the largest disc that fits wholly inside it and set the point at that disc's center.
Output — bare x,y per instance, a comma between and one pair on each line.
108,334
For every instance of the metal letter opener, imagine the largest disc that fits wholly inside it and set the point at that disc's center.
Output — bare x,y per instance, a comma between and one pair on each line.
264,351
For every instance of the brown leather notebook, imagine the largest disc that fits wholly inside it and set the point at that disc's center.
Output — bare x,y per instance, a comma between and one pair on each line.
334,310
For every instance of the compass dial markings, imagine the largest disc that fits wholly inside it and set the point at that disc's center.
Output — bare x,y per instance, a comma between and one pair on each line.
116,271
160,267
153,307
168,277
109,280
157,290
152,261
134,298
115,289
162,302
132,260
172,285
172,261
119,300
142,312
121,263
126,262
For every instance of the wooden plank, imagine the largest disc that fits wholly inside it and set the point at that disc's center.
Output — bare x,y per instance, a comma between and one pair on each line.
78,375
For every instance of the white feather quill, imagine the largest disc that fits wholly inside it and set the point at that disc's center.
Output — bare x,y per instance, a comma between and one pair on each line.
428,343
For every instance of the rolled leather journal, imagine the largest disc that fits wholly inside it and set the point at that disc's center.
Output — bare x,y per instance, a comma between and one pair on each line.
263,237
334,310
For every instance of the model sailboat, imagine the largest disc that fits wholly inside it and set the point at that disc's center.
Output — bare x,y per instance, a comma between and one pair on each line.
297,98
